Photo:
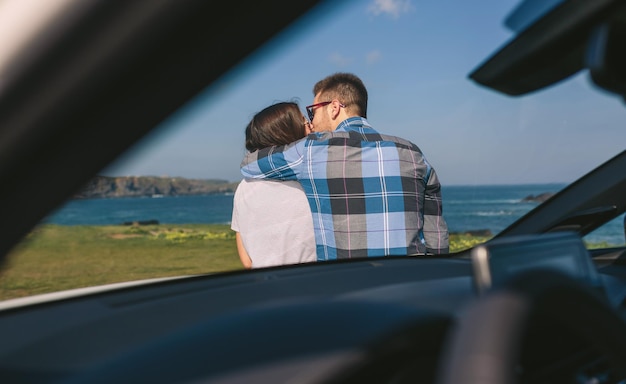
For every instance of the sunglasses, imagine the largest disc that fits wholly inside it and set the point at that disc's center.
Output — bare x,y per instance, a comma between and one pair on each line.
309,108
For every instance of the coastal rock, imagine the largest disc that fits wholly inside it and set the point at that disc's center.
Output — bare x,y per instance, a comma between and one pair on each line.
151,186
540,198
141,222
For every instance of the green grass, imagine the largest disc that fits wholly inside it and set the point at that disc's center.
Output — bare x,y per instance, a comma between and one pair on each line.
54,258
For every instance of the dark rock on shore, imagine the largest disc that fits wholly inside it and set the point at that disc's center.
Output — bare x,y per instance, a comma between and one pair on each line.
141,222
540,198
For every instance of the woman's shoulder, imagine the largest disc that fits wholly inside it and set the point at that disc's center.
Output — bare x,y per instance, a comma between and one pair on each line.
268,184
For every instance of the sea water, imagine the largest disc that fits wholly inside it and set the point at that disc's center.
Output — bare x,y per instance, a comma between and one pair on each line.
466,208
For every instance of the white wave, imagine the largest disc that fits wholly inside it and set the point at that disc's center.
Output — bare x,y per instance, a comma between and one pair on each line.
488,201
494,213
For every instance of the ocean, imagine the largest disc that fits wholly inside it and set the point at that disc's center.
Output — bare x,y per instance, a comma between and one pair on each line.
466,208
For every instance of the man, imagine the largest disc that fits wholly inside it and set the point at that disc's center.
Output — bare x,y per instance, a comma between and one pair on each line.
370,194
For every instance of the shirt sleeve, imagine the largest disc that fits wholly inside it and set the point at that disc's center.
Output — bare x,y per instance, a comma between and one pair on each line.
278,162
435,227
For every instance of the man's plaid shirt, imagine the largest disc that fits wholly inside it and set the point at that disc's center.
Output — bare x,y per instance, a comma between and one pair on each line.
370,194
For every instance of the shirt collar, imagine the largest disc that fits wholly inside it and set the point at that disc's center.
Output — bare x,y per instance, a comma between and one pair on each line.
354,124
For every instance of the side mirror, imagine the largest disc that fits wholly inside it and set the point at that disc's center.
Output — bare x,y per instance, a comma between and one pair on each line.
606,57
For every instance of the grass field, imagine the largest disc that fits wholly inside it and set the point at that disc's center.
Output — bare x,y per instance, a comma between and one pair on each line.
54,258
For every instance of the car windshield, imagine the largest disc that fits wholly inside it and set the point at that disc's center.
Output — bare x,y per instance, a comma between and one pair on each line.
164,208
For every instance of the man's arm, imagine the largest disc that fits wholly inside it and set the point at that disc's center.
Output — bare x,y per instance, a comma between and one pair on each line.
278,162
435,227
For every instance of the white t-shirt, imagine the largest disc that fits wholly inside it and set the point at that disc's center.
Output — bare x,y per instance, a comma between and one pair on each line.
275,223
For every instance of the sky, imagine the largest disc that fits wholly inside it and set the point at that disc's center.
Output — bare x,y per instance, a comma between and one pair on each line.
414,56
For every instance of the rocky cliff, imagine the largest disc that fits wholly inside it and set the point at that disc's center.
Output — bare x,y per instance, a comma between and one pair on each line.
149,186
540,198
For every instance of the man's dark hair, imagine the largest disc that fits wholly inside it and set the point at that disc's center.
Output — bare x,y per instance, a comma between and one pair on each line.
345,87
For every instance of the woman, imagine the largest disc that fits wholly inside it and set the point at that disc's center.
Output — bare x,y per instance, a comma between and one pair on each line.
272,218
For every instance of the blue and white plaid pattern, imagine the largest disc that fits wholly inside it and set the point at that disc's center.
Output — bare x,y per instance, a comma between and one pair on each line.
370,194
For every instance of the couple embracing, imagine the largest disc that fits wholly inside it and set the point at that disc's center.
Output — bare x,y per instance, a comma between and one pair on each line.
331,187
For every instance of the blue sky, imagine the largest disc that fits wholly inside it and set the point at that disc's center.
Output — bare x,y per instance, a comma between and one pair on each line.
414,56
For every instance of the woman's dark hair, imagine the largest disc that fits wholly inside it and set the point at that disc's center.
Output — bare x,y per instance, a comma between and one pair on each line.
279,124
